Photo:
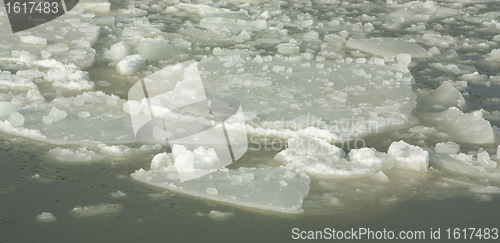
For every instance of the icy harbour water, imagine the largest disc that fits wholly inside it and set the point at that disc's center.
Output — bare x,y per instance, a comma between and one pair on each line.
379,114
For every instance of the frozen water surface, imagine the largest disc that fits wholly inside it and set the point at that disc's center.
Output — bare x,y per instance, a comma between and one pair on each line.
346,103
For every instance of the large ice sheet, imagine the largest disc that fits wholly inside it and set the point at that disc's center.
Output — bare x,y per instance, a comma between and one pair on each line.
270,189
336,100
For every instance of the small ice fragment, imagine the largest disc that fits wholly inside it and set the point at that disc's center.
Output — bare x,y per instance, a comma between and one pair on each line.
118,51
34,40
245,35
307,23
289,174
130,64
47,120
434,51
45,54
212,191
370,157
386,47
57,115
118,194
157,49
73,155
288,49
97,209
493,56
380,176
484,198
36,177
162,162
283,183
45,217
16,119
218,215
379,61
447,148
485,190
403,57
447,96
83,114
484,159
57,48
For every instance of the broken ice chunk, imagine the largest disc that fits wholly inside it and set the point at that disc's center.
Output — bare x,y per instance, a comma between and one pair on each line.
156,50
16,119
288,49
304,145
218,215
6,109
493,56
467,128
458,69
130,64
118,194
371,158
447,96
55,115
73,155
192,164
408,157
464,165
319,158
388,47
45,217
264,192
98,6
118,51
212,191
162,162
484,159
380,176
447,148
97,209
34,40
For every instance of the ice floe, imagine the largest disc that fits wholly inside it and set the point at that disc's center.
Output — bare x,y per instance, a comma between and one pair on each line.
257,188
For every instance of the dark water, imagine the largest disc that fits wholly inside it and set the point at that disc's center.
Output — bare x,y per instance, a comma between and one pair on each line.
173,218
